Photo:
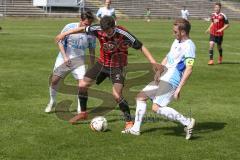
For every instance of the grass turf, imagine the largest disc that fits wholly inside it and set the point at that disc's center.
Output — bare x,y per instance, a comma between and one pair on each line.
27,56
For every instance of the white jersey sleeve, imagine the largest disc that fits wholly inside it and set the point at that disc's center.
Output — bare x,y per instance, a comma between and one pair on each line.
190,50
75,45
67,28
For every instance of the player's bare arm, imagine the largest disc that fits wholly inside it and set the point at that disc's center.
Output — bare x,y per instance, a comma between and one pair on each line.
208,30
187,73
62,51
164,61
148,55
61,36
158,73
224,27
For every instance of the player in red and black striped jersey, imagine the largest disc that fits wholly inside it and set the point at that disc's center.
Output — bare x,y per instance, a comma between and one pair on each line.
114,44
114,47
216,29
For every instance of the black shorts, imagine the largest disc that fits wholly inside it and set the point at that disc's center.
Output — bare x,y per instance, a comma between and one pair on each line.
216,39
99,73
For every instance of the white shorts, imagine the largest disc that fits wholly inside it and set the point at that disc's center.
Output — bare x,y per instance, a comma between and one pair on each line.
77,68
161,94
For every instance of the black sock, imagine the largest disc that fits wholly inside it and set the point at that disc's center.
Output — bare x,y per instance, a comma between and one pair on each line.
211,54
83,98
123,105
220,52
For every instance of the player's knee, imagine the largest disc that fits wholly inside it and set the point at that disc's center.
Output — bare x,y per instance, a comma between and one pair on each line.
83,84
54,82
141,97
211,45
82,87
155,107
117,97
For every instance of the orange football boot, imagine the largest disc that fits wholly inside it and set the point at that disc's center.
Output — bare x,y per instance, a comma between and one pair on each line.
78,117
210,62
220,60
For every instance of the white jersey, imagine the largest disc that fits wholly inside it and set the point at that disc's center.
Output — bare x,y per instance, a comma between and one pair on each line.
185,14
103,11
176,61
75,45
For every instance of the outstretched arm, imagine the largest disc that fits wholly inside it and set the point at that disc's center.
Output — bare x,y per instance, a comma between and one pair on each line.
223,28
148,55
61,36
187,73
159,72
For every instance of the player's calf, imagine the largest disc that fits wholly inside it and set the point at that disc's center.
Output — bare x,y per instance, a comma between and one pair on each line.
124,107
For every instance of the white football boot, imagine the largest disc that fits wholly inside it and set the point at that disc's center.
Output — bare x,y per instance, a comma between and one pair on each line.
189,129
131,131
49,107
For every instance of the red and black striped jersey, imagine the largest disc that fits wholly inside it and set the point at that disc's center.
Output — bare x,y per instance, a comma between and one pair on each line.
218,21
114,49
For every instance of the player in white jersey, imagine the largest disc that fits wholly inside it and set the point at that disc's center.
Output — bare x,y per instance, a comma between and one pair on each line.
107,10
184,13
71,58
167,85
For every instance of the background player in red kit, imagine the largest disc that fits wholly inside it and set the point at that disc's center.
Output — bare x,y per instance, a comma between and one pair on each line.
216,28
114,44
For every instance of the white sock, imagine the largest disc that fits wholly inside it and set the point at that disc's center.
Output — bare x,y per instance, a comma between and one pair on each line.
172,114
78,105
140,111
53,94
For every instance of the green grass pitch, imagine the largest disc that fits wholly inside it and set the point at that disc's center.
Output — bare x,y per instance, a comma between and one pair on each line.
27,55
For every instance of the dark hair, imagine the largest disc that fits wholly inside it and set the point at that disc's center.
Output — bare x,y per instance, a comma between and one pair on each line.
107,22
183,25
218,4
87,15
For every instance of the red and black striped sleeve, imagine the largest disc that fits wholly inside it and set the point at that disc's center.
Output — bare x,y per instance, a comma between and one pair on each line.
130,38
93,30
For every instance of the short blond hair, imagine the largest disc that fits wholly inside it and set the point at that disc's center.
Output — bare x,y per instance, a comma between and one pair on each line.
183,25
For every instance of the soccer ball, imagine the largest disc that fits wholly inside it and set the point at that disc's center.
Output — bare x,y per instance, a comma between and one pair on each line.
99,124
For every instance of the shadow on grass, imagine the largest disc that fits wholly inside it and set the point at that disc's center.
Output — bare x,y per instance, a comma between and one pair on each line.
108,130
204,127
89,120
62,111
230,62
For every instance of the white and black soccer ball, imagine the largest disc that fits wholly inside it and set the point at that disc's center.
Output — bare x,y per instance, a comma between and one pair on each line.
99,124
